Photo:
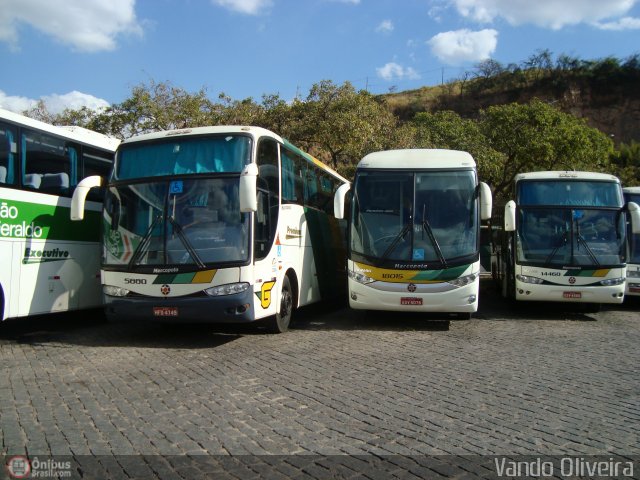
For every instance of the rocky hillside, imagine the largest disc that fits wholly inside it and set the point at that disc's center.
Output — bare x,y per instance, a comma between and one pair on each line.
609,103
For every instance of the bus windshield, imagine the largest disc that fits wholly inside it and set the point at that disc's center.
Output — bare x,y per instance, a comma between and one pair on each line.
187,222
415,217
182,156
553,237
569,192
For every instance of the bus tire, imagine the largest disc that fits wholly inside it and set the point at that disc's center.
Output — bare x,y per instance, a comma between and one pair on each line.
280,322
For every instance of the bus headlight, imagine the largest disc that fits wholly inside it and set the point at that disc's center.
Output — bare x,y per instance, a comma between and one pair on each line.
612,282
529,279
633,273
360,277
228,289
115,291
463,281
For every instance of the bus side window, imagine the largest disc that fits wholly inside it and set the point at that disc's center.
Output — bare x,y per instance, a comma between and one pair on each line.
7,154
96,162
292,178
50,164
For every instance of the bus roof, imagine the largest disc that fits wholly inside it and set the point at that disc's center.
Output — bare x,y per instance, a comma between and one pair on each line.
634,190
566,175
74,133
254,132
417,158
219,129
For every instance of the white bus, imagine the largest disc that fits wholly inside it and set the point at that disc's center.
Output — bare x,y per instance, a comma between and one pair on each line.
632,194
414,231
218,224
48,263
563,238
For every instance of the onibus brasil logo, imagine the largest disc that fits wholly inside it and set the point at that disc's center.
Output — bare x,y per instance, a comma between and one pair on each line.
22,467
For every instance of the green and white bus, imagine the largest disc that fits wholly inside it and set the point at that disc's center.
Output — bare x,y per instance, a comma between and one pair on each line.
414,231
221,224
49,264
563,238
632,194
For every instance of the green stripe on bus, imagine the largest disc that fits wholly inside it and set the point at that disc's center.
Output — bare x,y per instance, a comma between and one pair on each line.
46,222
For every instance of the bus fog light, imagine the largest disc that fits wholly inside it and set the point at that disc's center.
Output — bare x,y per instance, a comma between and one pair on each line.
612,282
472,298
462,281
228,289
115,291
529,279
360,277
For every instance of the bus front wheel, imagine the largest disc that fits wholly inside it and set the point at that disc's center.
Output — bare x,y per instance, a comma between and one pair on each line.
281,321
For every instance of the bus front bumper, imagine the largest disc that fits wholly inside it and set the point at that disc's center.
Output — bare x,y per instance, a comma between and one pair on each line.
569,294
442,298
235,308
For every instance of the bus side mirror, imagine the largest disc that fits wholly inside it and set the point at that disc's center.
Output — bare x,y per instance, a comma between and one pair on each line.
339,200
80,196
486,201
634,216
510,216
247,191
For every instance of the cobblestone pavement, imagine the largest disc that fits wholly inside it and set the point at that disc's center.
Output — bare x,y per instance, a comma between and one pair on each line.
512,381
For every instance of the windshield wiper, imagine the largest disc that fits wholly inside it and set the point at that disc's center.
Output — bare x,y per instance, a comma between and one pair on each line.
563,242
396,240
432,237
185,241
581,239
144,243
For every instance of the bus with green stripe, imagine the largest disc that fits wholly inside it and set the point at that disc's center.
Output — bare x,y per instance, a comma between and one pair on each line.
414,231
563,239
632,194
220,224
49,264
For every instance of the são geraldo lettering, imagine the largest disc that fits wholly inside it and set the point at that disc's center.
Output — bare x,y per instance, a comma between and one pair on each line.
9,227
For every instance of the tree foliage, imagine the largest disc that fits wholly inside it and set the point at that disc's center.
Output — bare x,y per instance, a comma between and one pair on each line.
538,136
340,125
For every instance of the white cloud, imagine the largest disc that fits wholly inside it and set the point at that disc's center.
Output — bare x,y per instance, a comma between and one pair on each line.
460,46
55,103
553,14
249,7
393,71
85,25
386,26
626,23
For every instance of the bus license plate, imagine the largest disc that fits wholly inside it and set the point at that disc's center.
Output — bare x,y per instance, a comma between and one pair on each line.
572,294
165,311
410,301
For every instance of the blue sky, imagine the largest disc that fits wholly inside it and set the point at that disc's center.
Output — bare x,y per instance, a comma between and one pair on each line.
71,53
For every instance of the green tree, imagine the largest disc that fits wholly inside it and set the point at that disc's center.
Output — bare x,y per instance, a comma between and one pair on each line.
447,129
538,136
626,160
340,125
154,107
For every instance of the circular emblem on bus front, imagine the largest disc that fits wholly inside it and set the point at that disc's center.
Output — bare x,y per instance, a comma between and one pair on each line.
411,287
165,289
572,280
